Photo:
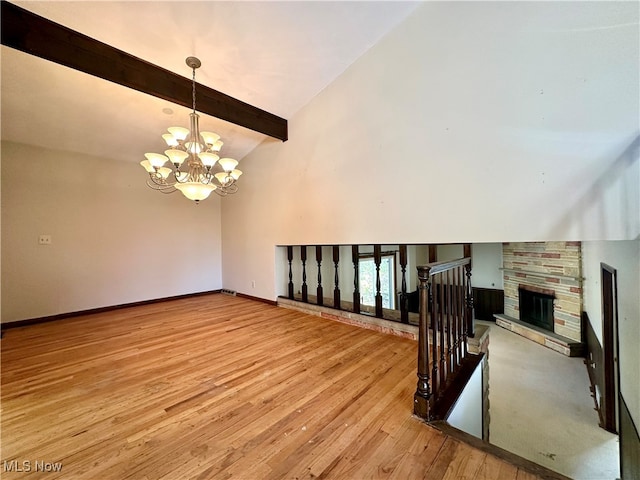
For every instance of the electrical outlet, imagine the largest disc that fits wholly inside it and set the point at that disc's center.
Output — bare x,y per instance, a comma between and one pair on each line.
253,284
44,240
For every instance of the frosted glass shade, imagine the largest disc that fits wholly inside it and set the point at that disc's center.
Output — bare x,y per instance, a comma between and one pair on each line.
147,166
195,191
221,177
170,139
217,146
236,174
209,159
209,137
193,146
156,160
176,156
164,172
179,133
228,164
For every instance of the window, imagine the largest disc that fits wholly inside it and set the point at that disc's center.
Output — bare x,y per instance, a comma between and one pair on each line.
367,280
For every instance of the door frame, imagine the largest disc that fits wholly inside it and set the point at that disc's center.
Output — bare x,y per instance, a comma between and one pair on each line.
609,287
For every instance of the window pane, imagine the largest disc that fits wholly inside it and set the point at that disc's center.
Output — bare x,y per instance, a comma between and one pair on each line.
367,276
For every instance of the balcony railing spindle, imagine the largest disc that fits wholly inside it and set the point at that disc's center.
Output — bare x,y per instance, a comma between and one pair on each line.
319,292
303,257
336,290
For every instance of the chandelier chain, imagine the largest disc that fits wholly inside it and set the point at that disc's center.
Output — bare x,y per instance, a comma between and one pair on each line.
193,94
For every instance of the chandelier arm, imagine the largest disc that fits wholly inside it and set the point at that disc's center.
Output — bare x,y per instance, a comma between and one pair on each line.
166,188
156,180
176,175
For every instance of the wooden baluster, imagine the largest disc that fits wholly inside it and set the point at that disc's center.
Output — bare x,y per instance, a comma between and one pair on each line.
449,293
464,314
336,290
319,294
303,257
433,300
462,307
404,311
441,329
422,397
355,257
377,258
471,330
290,258
456,315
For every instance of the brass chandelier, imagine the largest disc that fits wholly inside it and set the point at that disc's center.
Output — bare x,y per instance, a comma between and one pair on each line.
192,155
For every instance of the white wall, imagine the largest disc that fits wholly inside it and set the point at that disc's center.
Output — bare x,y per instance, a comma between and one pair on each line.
115,241
470,122
624,256
487,262
467,413
449,252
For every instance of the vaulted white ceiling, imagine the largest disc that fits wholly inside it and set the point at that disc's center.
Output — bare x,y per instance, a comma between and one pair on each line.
274,55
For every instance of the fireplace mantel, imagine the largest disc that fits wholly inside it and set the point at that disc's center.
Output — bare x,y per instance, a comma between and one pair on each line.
542,274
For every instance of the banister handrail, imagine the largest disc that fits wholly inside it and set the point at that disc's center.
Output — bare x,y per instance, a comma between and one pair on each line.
425,271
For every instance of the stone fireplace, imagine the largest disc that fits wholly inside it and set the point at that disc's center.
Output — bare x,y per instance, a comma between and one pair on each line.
543,293
536,306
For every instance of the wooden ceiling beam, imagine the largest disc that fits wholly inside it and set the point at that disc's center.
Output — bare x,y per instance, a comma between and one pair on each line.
36,35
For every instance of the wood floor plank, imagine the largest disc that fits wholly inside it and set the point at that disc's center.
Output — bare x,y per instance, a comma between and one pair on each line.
217,387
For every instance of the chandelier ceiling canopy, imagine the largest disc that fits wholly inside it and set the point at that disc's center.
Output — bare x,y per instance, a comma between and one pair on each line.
192,163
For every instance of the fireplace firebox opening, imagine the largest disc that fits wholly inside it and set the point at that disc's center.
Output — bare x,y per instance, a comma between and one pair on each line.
536,307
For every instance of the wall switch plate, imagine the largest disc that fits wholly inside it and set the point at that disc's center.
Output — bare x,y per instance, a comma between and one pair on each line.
44,240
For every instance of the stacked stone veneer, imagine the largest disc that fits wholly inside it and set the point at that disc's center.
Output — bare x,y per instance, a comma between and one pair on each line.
552,266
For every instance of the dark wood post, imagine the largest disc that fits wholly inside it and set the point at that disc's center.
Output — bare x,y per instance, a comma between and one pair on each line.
441,328
303,257
377,258
470,324
319,294
465,282
422,397
404,311
449,301
456,315
290,258
433,253
433,313
355,257
336,290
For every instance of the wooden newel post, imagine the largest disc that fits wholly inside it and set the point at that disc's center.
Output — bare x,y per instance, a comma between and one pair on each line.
422,397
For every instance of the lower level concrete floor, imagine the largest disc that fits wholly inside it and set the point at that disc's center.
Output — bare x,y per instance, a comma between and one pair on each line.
542,410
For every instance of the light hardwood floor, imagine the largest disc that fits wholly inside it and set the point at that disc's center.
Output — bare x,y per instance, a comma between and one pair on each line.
220,387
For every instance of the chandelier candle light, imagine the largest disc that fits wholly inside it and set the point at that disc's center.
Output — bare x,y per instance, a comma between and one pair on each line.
192,154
